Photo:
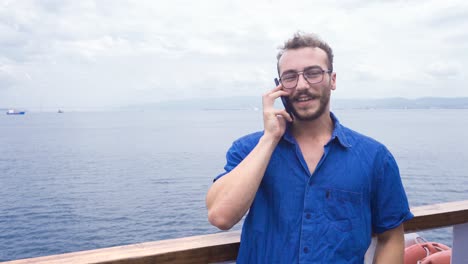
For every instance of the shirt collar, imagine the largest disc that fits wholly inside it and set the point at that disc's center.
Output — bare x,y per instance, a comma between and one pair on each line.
338,133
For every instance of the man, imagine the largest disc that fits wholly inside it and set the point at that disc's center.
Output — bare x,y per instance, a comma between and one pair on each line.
315,190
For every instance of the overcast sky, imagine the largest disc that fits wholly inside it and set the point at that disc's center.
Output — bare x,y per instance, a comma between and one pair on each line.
84,53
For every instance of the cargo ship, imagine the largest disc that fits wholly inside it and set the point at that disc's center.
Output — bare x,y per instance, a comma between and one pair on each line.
15,112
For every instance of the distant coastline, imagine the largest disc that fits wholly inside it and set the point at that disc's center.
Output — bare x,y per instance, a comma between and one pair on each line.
254,103
402,103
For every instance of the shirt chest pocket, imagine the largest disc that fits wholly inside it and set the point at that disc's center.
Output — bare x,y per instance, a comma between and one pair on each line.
342,207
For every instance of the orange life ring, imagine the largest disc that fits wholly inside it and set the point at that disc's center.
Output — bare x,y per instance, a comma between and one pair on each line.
427,253
442,257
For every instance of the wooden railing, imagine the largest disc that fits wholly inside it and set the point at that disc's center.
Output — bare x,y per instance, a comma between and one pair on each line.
224,246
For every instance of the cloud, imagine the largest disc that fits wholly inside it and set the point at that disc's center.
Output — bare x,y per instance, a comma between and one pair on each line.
443,70
150,51
10,73
5,81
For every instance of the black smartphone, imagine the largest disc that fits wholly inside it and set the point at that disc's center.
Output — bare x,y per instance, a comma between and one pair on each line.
285,101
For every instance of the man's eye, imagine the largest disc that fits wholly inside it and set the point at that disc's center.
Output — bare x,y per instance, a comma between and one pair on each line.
313,73
289,77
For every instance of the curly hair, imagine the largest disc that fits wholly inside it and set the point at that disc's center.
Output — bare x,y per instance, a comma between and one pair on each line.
304,40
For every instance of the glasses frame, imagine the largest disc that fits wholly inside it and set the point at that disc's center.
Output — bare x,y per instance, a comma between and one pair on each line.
305,78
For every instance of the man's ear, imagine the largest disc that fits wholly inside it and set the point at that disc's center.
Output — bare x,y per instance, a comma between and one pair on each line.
333,81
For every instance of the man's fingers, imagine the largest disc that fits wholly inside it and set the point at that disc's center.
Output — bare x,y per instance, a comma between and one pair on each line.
283,114
278,87
278,94
270,97
274,90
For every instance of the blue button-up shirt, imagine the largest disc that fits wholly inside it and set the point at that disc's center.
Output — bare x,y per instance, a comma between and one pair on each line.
322,216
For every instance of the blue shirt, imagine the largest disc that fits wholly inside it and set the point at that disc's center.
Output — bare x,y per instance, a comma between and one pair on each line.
322,216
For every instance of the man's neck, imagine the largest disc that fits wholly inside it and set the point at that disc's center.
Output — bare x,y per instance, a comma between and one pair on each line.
317,129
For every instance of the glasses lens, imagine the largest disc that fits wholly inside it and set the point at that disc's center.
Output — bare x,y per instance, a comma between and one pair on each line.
289,80
313,75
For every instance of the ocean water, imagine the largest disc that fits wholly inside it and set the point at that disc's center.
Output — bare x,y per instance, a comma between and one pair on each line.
79,181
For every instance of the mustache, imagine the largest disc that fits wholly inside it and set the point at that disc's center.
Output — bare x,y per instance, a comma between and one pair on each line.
302,94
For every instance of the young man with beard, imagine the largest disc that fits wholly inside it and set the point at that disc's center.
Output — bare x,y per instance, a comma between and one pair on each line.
315,190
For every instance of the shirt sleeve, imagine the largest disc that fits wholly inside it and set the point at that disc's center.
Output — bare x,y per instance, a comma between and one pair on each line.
233,158
390,206
238,151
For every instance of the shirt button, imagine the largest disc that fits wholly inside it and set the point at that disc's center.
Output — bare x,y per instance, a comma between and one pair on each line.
306,250
308,216
310,183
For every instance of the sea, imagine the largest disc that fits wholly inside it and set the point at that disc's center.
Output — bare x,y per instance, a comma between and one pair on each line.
86,180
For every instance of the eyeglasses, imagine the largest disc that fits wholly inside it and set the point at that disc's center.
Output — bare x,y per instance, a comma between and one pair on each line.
312,75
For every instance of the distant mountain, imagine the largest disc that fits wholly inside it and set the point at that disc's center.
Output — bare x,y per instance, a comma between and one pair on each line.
402,103
253,102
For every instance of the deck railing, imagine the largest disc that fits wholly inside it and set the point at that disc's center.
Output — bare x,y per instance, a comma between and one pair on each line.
223,246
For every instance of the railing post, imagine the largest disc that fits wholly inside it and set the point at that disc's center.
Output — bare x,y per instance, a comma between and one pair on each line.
369,257
460,244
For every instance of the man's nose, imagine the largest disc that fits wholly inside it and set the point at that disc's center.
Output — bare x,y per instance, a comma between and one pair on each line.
302,82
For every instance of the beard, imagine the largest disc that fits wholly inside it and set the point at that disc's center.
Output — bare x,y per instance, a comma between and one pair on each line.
323,101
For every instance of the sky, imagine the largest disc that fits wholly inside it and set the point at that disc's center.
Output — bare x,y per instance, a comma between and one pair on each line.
109,53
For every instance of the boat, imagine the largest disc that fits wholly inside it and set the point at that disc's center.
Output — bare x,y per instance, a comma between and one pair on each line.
222,247
15,112
60,111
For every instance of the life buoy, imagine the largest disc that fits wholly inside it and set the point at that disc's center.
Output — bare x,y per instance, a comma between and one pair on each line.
442,257
427,253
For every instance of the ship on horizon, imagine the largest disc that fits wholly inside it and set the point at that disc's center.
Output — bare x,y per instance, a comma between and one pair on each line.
15,112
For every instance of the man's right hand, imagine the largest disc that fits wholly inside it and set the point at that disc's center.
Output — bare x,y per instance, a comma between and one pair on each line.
231,196
274,120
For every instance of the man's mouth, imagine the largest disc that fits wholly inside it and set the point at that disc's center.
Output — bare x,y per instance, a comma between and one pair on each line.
305,98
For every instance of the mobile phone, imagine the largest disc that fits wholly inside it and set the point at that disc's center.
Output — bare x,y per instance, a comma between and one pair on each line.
285,101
